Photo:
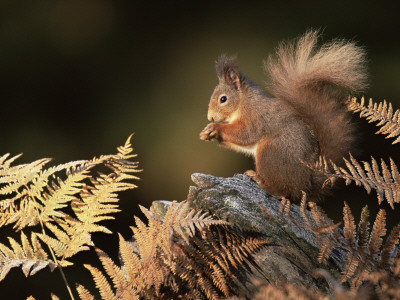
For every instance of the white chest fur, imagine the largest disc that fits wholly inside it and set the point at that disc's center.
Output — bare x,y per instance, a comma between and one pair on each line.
248,150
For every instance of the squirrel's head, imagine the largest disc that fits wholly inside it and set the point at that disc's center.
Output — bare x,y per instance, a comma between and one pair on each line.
225,100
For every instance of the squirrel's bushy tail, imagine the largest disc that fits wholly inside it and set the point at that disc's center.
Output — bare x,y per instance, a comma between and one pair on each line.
316,81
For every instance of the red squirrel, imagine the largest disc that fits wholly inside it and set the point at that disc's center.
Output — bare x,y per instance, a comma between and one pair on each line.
305,119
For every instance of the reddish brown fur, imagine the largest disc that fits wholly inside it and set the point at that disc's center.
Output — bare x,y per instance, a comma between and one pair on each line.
305,120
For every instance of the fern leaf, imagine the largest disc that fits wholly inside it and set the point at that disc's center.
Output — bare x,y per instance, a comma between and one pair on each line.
54,297
325,250
8,173
33,198
284,206
376,176
351,266
131,262
360,173
71,238
41,180
319,216
181,248
125,151
31,193
102,284
16,248
32,259
387,177
113,271
184,221
198,275
60,194
58,246
349,225
84,294
199,220
30,184
387,185
357,173
213,251
395,175
303,211
96,205
146,240
207,287
363,228
124,287
21,175
378,230
389,247
219,280
381,113
26,215
181,268
28,252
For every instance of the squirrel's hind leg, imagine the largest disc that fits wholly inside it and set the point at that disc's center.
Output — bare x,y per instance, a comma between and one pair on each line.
279,172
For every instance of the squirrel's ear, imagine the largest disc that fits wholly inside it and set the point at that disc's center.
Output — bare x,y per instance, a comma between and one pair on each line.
227,71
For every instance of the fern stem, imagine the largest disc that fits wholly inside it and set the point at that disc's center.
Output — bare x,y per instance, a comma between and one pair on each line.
55,260
63,276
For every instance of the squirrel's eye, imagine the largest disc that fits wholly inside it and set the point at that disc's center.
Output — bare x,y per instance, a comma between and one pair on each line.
223,99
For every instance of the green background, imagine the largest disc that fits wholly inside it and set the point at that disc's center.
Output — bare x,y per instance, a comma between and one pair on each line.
77,77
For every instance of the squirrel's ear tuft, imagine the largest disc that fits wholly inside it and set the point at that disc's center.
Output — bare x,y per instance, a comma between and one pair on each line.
228,72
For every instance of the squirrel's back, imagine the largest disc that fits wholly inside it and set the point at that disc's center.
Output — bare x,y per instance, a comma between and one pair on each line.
316,81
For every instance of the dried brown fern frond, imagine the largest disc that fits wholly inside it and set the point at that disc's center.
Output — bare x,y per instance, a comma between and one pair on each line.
184,253
363,228
209,261
349,227
322,226
382,113
376,285
385,181
383,283
284,208
23,185
54,297
124,289
378,231
287,291
390,246
42,195
14,177
30,256
319,222
341,292
32,188
83,293
365,253
96,202
68,206
364,248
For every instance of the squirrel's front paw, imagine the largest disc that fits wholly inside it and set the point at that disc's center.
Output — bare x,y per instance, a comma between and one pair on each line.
209,132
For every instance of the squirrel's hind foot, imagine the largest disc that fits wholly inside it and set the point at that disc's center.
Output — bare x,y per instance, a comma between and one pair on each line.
253,175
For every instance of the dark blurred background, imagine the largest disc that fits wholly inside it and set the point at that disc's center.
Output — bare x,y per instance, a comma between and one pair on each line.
78,76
